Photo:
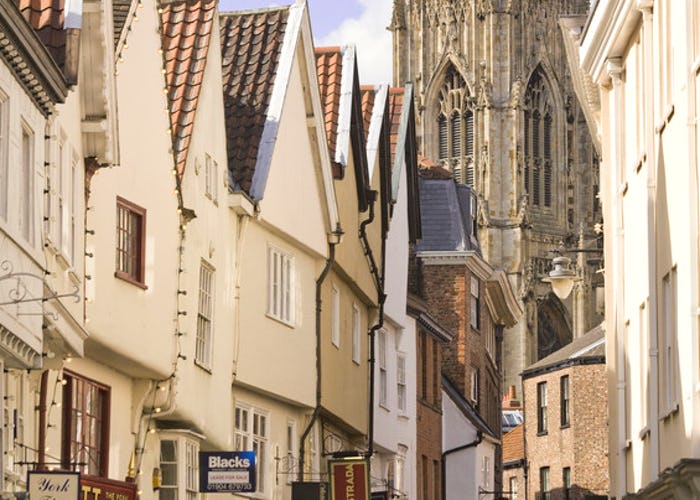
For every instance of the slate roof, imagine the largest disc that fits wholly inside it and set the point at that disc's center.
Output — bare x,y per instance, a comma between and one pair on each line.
445,217
46,17
251,43
587,349
513,446
329,67
467,409
187,26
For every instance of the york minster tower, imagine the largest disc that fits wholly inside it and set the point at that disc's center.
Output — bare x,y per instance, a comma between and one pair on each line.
496,107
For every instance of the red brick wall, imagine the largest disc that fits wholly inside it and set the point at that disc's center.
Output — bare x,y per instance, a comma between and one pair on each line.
428,414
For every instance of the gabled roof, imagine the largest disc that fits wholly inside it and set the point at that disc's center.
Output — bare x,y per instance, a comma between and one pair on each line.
329,67
47,17
587,349
404,152
339,85
368,93
445,217
251,44
513,445
187,26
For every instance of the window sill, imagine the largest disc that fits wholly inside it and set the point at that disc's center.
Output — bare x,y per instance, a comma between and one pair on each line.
288,324
384,407
355,362
542,433
203,366
129,279
565,426
669,413
644,433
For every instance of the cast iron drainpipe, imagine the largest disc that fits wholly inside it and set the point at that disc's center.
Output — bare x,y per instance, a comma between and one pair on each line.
381,296
319,282
479,438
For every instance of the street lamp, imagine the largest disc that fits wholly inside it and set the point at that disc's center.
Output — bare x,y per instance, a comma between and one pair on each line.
561,277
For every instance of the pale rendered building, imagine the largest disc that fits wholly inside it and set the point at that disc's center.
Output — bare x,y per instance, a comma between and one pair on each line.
637,70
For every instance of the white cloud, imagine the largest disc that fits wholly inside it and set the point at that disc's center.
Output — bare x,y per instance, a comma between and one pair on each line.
369,34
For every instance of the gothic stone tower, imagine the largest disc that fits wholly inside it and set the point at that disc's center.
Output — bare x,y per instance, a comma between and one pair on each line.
496,107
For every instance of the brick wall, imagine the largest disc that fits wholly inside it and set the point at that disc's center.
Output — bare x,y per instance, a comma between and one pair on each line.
428,416
580,446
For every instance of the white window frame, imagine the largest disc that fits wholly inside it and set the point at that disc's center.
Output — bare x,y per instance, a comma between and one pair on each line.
669,343
205,315
256,437
26,212
281,283
401,392
475,385
211,178
186,463
15,392
490,339
291,450
356,317
381,363
474,302
486,472
335,316
513,487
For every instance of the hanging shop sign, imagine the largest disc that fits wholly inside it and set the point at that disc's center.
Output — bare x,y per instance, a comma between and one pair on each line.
227,472
349,479
101,488
52,485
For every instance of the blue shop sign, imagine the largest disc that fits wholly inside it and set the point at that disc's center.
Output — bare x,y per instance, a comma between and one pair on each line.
227,472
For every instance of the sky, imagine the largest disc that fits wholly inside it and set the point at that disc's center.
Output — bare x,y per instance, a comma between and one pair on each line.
339,22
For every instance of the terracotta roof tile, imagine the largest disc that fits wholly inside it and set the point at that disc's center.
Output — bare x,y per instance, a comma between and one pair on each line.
46,17
251,43
513,447
367,94
395,110
329,67
187,27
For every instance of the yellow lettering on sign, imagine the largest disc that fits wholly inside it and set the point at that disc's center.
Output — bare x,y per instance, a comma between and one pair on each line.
350,485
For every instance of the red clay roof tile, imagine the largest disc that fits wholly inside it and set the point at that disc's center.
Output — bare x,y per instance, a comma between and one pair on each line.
367,94
46,17
395,111
186,31
329,67
251,43
513,447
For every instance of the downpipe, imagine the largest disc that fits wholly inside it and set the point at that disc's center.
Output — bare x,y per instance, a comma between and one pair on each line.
319,308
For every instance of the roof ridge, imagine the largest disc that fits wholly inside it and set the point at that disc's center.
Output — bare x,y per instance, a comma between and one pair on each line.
245,12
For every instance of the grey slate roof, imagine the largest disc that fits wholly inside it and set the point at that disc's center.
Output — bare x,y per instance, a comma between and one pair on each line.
590,348
445,217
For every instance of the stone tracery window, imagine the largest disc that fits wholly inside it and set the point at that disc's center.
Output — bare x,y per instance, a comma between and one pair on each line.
455,122
537,135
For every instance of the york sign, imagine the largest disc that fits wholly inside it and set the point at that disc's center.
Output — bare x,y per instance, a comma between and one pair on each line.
49,485
227,472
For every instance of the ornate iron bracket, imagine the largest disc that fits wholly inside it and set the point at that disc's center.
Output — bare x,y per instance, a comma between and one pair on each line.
19,292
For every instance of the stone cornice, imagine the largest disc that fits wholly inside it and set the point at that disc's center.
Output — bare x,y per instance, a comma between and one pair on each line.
28,58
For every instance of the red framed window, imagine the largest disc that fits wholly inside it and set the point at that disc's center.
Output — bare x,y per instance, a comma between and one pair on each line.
131,241
85,443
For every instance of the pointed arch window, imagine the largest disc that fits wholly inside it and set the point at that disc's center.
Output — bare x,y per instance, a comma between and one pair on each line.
538,171
455,121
